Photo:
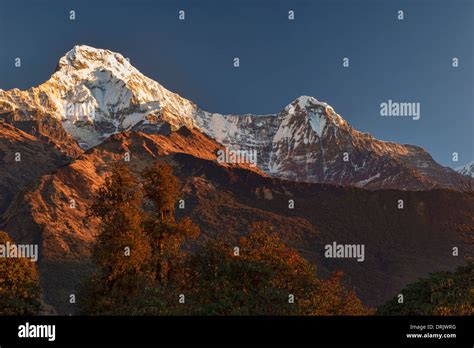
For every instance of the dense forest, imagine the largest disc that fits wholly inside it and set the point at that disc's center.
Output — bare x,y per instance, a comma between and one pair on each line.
145,263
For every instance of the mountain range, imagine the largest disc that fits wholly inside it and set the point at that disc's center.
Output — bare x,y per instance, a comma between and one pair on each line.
95,93
58,140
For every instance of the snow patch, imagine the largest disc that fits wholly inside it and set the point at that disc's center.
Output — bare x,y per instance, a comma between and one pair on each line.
317,122
132,119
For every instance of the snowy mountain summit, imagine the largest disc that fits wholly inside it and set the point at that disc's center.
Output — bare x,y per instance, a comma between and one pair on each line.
95,93
467,169
119,95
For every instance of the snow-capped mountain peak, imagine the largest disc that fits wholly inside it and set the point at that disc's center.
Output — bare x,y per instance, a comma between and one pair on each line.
82,57
303,104
113,77
467,169
305,101
96,92
318,114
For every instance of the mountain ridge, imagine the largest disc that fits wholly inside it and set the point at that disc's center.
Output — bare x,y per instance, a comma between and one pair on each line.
227,199
306,141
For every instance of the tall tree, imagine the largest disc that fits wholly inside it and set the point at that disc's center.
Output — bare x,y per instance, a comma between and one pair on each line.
167,235
162,189
122,250
19,284
259,275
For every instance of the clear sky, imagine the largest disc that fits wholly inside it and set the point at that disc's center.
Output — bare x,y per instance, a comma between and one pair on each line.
405,61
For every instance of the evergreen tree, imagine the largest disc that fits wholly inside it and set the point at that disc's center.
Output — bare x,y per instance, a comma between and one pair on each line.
442,293
19,284
261,277
167,236
162,189
227,284
122,251
150,278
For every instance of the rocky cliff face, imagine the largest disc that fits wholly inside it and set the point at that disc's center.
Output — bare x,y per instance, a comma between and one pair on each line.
25,157
95,93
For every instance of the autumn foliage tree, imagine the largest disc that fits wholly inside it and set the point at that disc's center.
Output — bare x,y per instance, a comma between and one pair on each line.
167,235
259,275
122,252
139,248
19,285
262,276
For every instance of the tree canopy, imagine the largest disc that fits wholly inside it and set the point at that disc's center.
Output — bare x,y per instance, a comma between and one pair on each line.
19,284
257,275
442,293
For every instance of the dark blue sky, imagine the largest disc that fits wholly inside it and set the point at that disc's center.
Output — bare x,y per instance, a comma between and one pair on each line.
408,61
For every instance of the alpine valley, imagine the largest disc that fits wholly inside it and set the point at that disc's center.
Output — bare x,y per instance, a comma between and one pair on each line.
57,141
